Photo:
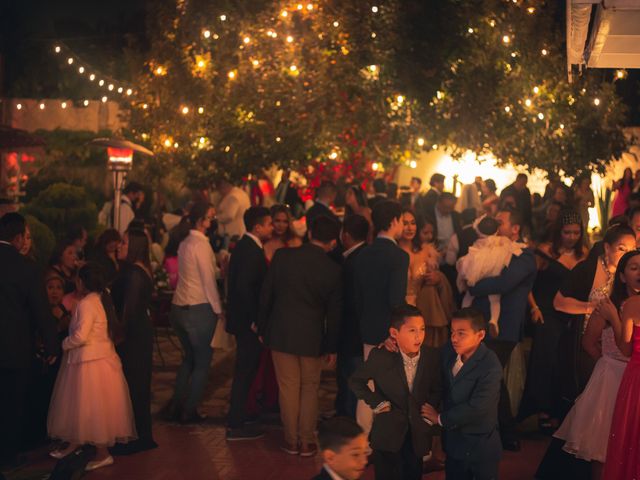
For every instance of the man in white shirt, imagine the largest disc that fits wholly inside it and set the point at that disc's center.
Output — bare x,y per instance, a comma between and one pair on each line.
195,310
233,203
132,198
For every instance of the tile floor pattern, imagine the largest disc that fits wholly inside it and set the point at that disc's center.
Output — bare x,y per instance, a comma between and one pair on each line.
201,452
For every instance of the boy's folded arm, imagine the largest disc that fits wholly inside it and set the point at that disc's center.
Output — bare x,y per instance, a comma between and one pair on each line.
359,384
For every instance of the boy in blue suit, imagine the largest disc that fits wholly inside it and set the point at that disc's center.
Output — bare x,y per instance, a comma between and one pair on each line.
469,417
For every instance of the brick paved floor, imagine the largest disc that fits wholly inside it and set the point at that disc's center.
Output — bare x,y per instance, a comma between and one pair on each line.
201,452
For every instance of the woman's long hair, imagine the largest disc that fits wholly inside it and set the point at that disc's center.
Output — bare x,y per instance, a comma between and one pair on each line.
619,291
416,243
361,198
567,217
176,235
282,208
138,250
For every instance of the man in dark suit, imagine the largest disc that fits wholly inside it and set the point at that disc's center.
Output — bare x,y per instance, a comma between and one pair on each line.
24,310
380,189
325,196
513,285
469,416
354,235
425,204
344,448
404,381
521,193
380,285
300,311
247,269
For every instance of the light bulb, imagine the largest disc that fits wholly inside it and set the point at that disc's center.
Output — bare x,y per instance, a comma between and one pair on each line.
278,139
333,155
227,148
293,68
246,40
175,145
110,87
421,142
299,6
206,33
185,110
255,63
145,106
373,68
57,49
336,24
507,109
527,102
120,89
413,164
373,35
63,104
470,30
536,90
92,77
101,82
284,13
506,39
231,75
434,146
167,143
374,9
375,166
19,106
562,126
621,74
104,99
201,64
69,60
202,140
223,18
309,6
81,70
289,39
541,116
86,103
41,106
596,101
400,99
200,110
544,52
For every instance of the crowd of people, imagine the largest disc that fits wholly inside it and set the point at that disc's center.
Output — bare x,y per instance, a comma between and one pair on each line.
420,301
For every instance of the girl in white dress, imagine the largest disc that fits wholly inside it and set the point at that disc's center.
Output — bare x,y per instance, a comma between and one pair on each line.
486,258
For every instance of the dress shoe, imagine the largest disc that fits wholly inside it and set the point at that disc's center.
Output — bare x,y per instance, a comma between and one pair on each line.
308,450
170,412
94,465
247,432
290,449
511,445
58,454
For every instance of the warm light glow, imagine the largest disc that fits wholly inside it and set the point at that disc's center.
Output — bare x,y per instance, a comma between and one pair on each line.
160,70
63,104
492,23
206,33
309,6
129,91
531,10
175,145
200,110
541,116
289,39
374,9
506,39
400,99
231,75
101,82
439,95
19,106
421,142
527,102
596,101
246,40
562,126
536,90
227,149
373,35
507,109
41,106
145,106
104,99
620,74
255,63
470,30
86,103
300,7
284,13
81,70
293,68
223,18
120,89
544,52
413,164
92,77
185,110
111,87
202,140
336,24
278,139
69,60
333,155
57,49
434,146
375,166
167,143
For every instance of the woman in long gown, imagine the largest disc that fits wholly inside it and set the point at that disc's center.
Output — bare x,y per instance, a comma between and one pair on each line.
554,260
623,452
623,187
587,285
131,293
90,401
427,287
585,430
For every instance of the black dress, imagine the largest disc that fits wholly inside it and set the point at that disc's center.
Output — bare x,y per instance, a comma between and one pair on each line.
131,292
542,387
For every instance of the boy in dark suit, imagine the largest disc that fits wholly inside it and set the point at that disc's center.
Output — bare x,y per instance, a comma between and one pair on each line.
404,381
344,449
469,417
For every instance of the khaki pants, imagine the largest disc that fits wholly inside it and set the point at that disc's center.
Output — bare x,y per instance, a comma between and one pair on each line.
298,381
364,414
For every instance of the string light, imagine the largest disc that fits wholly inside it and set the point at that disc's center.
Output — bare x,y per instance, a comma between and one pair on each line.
374,9
227,149
373,35
562,126
372,68
375,166
202,140
541,116
333,155
470,30
300,7
145,106
293,68
86,103
596,101
620,74
104,99
231,75
206,33
81,70
223,18
284,13
167,143
19,106
289,39
400,99
527,102
63,104
185,110
246,40
531,10
544,52
278,139
57,49
101,82
201,64
421,142
536,90
255,63
507,109
434,146
92,77
200,110
506,39
70,61
309,6
413,164
110,87
336,24
120,89
41,106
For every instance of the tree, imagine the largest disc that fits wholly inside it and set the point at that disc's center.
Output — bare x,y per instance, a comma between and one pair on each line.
231,91
503,90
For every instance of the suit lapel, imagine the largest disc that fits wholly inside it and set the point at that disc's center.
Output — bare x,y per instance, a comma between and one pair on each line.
470,364
400,371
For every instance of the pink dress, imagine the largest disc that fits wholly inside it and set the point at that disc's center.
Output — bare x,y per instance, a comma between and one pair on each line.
90,401
623,452
621,203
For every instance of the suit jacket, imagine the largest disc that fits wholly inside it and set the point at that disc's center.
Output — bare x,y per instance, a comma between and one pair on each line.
316,210
323,475
426,203
469,415
350,341
24,310
381,271
386,369
376,199
513,285
247,270
301,302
